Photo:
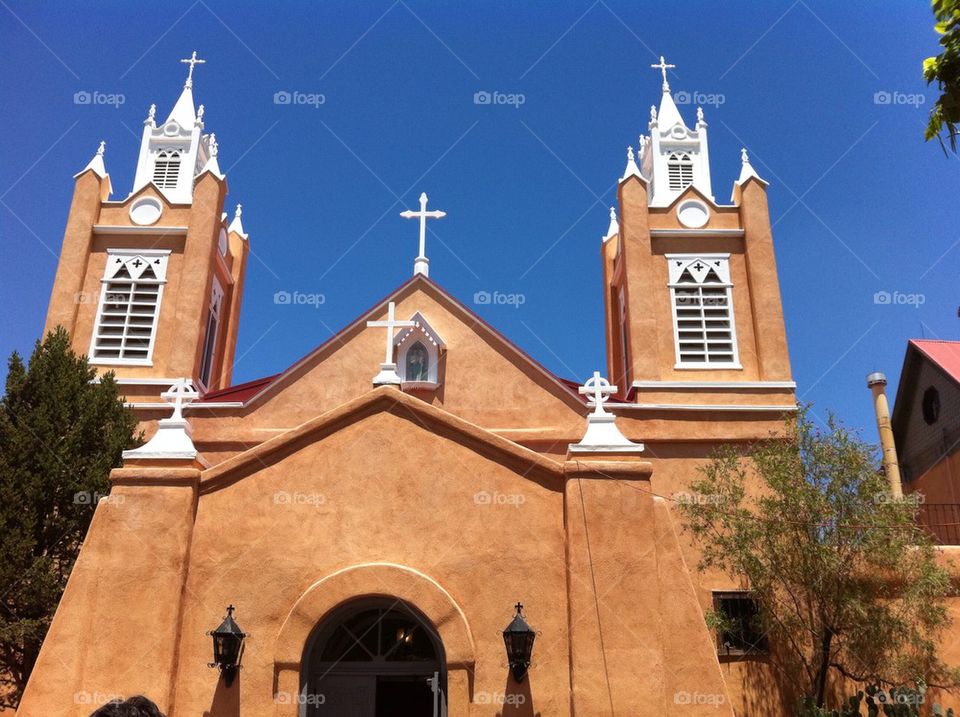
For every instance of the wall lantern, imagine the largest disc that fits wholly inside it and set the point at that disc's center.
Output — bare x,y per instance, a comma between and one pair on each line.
518,638
227,647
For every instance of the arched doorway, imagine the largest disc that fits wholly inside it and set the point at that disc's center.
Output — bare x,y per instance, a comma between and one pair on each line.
374,658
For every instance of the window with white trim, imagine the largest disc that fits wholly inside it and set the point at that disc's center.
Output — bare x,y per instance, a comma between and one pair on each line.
126,323
418,351
166,169
703,319
213,329
679,171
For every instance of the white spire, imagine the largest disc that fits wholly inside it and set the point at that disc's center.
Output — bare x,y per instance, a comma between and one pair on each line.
747,171
632,168
96,164
614,228
183,112
236,225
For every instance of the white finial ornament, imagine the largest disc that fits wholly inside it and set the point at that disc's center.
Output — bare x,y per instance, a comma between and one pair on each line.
663,67
102,148
237,225
746,172
700,115
151,115
214,147
192,61
632,168
172,439
388,369
422,265
653,114
238,212
199,120
602,435
614,227
744,157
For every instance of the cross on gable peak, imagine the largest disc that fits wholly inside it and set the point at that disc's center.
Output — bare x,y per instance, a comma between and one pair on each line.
421,264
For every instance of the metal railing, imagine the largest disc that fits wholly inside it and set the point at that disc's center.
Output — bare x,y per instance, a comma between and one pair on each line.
942,521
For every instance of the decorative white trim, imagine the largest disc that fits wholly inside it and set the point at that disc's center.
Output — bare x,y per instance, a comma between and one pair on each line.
714,384
703,407
135,229
188,409
138,381
694,233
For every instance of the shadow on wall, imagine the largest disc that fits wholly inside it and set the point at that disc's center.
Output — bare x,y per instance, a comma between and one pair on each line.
226,700
767,685
517,700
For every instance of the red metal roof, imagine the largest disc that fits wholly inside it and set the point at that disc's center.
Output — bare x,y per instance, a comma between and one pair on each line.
946,354
239,393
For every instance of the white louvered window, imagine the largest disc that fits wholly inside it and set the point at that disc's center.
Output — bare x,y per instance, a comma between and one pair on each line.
126,323
679,171
702,297
166,169
213,329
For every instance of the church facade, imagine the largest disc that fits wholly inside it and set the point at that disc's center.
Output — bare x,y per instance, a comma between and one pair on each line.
376,514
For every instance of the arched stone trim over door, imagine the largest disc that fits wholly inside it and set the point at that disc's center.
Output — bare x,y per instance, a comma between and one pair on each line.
368,580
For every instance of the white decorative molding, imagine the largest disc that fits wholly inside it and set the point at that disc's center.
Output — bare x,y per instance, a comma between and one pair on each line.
108,229
714,384
695,233
172,440
421,332
602,435
704,407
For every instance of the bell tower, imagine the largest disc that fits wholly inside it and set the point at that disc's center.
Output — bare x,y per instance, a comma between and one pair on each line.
693,308
150,286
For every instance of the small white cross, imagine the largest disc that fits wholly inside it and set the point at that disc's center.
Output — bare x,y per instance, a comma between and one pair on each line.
600,390
663,67
192,60
390,324
422,264
179,395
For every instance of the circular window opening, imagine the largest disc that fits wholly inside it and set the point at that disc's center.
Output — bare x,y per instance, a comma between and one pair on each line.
146,211
931,405
693,214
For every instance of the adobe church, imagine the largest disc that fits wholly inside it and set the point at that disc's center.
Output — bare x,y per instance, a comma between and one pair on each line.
416,518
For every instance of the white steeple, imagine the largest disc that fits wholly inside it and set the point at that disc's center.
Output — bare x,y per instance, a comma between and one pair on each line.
675,156
614,227
97,166
175,152
236,225
631,170
747,171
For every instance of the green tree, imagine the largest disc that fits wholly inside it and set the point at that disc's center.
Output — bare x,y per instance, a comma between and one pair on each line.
60,434
845,582
944,69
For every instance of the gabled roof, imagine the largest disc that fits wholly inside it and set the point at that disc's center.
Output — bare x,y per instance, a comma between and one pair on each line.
253,391
945,355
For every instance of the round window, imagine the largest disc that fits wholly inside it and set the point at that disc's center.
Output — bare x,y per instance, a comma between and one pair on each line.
146,211
931,405
693,214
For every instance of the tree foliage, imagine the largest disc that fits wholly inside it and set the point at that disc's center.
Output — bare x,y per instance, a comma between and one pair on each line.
846,583
60,434
944,69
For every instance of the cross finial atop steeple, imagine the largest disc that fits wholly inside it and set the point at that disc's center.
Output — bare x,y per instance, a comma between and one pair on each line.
663,67
422,265
193,60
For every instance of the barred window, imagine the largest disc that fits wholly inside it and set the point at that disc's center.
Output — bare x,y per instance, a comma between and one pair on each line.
130,295
704,331
166,169
741,632
679,171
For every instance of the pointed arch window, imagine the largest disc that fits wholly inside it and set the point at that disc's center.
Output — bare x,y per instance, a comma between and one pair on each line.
130,294
417,363
679,171
703,320
419,349
166,169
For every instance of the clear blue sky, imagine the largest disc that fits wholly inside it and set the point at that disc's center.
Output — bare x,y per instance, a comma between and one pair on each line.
860,203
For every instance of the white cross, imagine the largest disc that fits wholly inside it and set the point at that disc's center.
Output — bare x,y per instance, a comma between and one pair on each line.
663,67
422,264
600,391
390,324
179,395
192,60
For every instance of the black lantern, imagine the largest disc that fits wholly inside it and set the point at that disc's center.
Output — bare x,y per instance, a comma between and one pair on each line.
227,646
518,638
